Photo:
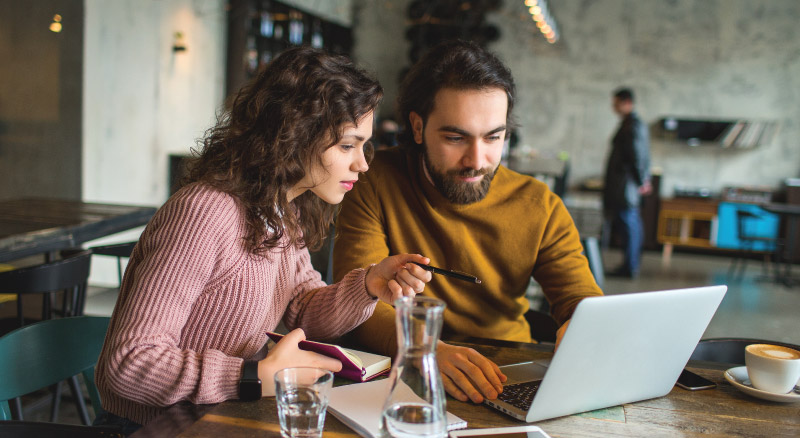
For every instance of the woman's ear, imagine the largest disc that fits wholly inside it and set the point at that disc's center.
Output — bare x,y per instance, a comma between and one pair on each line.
416,126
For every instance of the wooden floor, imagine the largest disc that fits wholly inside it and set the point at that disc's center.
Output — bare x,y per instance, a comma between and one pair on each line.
753,307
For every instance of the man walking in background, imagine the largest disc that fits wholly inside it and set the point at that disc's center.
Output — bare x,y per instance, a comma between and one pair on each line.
627,179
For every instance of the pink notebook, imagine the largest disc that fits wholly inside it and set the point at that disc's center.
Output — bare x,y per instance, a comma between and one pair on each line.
359,366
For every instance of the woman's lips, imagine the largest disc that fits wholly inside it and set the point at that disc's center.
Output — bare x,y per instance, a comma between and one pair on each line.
347,184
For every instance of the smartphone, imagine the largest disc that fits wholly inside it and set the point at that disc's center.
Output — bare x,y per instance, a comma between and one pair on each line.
693,382
501,432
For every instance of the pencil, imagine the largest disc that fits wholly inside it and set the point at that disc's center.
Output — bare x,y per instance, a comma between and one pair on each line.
451,274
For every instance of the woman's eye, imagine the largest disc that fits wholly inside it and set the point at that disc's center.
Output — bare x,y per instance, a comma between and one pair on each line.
346,147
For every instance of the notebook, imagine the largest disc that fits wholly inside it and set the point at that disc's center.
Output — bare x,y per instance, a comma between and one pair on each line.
359,366
618,349
360,406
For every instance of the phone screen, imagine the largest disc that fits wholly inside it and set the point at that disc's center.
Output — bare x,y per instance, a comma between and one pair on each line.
692,381
531,434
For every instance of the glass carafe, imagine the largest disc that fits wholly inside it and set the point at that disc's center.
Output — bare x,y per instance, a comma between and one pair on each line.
416,403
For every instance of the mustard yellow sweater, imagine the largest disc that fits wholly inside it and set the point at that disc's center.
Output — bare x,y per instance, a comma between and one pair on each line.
520,229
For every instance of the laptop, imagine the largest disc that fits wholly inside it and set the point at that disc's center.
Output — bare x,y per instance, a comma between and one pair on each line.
618,349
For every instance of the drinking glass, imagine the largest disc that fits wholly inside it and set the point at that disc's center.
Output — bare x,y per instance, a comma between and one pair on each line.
302,397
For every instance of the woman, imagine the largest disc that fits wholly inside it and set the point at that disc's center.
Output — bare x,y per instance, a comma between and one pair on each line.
226,259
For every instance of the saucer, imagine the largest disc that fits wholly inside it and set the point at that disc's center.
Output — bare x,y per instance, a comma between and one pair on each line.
738,377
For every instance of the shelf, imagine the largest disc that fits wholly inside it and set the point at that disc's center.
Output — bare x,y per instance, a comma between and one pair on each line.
259,30
725,134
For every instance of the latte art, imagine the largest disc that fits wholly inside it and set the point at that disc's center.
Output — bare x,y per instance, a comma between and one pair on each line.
774,351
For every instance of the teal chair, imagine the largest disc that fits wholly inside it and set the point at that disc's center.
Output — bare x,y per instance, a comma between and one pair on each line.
47,352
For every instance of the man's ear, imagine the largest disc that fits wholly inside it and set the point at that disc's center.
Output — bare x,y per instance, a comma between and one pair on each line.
416,126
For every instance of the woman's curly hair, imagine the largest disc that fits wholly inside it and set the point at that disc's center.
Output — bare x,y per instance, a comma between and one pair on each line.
278,127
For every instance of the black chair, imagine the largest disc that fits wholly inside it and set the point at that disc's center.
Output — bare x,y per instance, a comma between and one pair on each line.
118,250
729,350
30,429
748,241
543,326
69,277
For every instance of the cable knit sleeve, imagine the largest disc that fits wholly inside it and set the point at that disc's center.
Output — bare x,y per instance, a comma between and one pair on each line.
327,312
178,256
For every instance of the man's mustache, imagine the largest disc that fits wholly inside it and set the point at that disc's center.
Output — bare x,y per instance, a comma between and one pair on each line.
469,173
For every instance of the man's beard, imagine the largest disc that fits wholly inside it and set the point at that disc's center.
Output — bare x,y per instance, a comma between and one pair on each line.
455,190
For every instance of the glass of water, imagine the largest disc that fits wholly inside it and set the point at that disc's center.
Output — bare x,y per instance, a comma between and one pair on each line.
302,397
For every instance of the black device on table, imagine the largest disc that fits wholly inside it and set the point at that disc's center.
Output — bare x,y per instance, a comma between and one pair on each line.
693,382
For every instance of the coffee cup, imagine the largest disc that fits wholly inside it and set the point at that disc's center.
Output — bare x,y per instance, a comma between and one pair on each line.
772,368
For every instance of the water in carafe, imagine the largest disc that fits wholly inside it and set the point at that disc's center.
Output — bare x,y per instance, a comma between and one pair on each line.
416,403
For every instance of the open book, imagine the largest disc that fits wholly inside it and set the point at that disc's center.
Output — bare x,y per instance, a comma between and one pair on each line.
356,365
360,406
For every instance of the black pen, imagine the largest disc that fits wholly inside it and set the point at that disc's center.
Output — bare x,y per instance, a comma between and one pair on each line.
447,273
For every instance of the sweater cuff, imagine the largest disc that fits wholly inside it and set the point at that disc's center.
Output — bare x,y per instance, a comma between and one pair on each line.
229,372
356,285
364,282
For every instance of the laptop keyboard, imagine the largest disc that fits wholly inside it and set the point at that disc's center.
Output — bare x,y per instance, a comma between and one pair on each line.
520,395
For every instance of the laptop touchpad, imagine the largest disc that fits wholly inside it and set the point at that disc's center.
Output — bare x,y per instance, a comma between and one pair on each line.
523,372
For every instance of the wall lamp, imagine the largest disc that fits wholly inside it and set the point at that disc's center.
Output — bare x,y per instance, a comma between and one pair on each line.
178,44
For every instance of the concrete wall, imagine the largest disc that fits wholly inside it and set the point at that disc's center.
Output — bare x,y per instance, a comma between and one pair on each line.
714,59
40,99
142,100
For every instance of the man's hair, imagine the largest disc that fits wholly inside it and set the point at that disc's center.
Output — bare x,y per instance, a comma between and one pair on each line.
279,126
624,93
459,65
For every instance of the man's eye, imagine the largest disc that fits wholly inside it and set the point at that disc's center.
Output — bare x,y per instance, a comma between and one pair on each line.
493,138
453,139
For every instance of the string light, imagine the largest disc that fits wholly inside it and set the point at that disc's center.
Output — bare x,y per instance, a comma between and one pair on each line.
55,26
540,12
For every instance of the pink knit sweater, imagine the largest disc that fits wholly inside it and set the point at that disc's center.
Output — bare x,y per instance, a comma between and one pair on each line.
194,303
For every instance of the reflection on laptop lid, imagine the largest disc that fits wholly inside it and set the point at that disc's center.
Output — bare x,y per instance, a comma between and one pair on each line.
617,349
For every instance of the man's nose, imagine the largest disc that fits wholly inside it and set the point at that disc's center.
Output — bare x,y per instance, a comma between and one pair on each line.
473,157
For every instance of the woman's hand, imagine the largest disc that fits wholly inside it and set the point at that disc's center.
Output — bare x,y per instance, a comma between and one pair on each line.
396,277
287,354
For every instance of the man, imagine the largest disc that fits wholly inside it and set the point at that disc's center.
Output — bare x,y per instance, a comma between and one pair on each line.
443,194
627,178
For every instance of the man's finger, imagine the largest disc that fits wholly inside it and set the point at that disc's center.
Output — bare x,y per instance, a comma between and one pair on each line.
489,369
452,389
463,383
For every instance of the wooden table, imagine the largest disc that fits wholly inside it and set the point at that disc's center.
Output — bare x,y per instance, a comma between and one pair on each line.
720,412
38,226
